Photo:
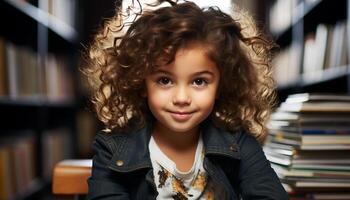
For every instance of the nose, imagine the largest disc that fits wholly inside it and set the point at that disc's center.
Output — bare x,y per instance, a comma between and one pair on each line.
182,96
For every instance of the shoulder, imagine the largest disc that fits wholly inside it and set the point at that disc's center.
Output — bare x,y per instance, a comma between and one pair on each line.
244,140
236,144
107,146
109,141
115,136
117,142
257,178
240,136
247,143
243,137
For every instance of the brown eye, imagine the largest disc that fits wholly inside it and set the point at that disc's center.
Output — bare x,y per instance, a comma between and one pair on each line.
200,82
164,81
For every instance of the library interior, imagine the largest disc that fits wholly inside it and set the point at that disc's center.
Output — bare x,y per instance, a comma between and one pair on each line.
48,122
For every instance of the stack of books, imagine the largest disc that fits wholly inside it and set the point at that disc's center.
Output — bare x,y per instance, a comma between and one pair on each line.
309,145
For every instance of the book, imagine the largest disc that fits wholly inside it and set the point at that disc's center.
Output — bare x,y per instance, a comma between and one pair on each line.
338,40
11,63
316,103
18,151
304,97
3,69
285,64
64,10
321,107
52,142
299,157
22,77
314,52
321,166
286,118
321,185
325,139
6,171
296,132
329,196
310,173
327,60
317,145
23,152
86,130
281,15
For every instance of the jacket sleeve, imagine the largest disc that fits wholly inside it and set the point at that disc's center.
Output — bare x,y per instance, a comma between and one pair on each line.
103,183
257,179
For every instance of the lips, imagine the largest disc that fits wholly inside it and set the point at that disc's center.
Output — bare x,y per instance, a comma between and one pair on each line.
181,116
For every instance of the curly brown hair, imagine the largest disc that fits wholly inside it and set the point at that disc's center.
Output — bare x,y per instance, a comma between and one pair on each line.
121,61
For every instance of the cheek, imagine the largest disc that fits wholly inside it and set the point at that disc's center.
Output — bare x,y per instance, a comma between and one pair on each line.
158,93
156,98
206,99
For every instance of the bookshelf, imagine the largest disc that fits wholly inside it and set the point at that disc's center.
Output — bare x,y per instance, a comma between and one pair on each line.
38,94
313,37
313,59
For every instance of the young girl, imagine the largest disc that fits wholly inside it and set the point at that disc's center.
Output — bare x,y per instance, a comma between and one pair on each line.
184,94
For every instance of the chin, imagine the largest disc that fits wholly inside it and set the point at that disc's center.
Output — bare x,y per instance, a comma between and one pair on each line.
181,128
178,127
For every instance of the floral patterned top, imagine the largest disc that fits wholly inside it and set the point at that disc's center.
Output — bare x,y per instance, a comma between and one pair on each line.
173,184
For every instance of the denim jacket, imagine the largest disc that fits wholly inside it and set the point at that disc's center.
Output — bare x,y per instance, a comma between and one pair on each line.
235,162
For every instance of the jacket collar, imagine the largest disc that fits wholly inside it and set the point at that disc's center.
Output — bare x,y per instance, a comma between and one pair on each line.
218,142
133,152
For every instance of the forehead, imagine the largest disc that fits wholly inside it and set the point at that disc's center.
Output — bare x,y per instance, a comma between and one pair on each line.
191,59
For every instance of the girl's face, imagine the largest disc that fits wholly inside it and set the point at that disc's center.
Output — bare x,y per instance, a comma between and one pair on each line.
182,94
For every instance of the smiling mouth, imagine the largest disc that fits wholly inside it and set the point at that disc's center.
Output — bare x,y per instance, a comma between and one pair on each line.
181,116
181,113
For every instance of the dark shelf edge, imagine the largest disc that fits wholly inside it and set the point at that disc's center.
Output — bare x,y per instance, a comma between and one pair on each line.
53,23
35,102
324,76
35,187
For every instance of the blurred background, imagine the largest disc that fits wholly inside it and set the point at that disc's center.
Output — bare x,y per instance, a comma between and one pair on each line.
46,116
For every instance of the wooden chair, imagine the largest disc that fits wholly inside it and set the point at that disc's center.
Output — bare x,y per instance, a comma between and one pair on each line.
70,178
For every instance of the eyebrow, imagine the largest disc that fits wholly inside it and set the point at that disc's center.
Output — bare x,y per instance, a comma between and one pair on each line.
204,72
160,71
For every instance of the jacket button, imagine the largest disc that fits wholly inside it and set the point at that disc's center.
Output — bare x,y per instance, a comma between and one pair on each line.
233,147
119,163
